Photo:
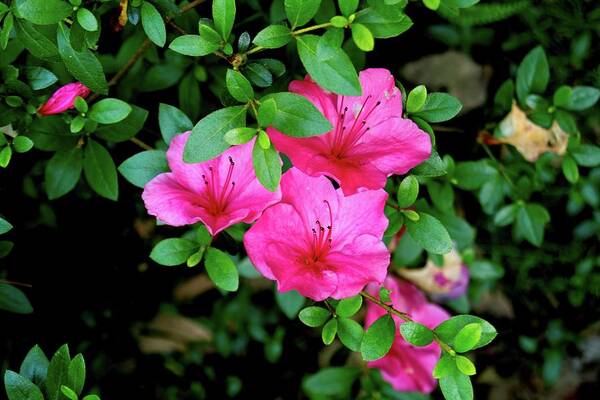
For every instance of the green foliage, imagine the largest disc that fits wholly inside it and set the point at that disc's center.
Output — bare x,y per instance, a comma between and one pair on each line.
378,338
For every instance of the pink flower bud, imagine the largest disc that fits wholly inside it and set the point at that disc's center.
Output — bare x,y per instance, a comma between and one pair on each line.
62,100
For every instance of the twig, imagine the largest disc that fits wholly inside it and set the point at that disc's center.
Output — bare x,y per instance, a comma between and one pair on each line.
141,144
16,283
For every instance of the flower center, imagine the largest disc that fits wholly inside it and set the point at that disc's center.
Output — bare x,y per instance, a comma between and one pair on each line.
345,136
218,196
321,241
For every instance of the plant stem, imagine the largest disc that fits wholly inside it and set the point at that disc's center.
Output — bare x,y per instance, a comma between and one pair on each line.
311,28
141,144
405,317
15,283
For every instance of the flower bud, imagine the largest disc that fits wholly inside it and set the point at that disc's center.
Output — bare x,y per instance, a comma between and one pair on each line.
63,99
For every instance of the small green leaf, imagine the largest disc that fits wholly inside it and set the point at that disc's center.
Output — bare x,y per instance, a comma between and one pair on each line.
20,388
14,300
5,156
142,167
239,87
362,36
314,316
172,121
35,365
296,116
173,251
109,111
273,37
331,382
39,78
348,7
240,135
223,12
192,45
378,339
267,111
531,220
267,166
439,107
221,270
22,144
448,329
350,333
76,374
63,171
349,306
416,99
570,169
58,370
456,386
465,365
432,4
416,333
587,155
153,24
582,98
263,140
445,366
290,302
533,74
100,170
429,232
562,95
68,392
467,338
384,295
125,129
338,21
329,331
87,20
43,12
299,12
408,190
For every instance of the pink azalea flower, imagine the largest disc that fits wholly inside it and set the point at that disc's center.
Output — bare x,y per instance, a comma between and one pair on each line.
319,241
63,99
370,140
406,367
219,192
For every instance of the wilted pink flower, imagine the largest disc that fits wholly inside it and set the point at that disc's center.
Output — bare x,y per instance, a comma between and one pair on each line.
318,241
370,139
220,192
63,99
406,367
447,282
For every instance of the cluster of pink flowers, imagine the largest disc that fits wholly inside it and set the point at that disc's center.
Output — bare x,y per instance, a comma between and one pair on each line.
309,236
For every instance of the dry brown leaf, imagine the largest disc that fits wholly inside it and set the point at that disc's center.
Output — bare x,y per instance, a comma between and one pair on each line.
191,288
425,278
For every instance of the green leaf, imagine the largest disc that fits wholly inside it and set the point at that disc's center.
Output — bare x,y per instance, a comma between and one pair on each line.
456,386
448,329
562,96
350,333
39,78
173,251
35,365
223,12
362,37
273,37
68,392
193,45
83,65
58,371
314,316
331,382
531,220
416,333
329,331
100,170
5,226
570,169
76,374
63,171
296,116
172,121
384,21
429,232
34,39
221,270
439,107
349,306
22,144
348,7
43,12
238,86
142,167
445,366
485,270
467,337
240,135
125,129
587,155
5,156
153,24
290,302
472,175
109,111
416,99
465,365
299,12
582,97
267,111
408,190
87,20
378,339
91,397
20,388
566,121
14,300
207,139
432,4
384,295
533,74
328,65
267,166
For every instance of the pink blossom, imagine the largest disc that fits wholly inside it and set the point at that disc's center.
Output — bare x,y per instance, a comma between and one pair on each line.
219,192
319,241
63,99
406,367
370,140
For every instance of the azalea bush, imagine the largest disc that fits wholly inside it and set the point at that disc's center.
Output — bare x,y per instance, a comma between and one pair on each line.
315,199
